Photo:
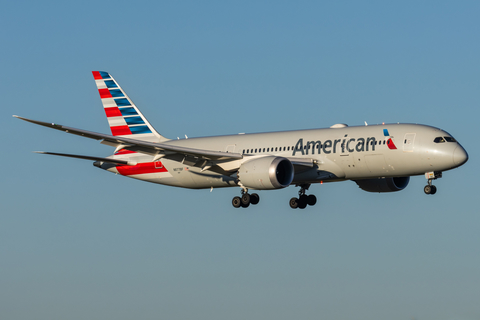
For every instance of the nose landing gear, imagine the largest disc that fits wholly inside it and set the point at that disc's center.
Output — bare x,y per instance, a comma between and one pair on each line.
303,200
430,188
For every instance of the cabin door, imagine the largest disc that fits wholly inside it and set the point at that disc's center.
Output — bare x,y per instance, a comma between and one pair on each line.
408,142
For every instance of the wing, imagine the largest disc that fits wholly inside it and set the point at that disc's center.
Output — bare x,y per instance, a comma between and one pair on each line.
229,162
152,148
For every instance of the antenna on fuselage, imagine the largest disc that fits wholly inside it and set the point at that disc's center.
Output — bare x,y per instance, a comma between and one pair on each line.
366,124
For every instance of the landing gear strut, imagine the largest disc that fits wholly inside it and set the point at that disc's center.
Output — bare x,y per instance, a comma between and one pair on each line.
246,199
430,188
303,200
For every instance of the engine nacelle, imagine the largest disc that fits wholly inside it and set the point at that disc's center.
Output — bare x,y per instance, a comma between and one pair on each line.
266,173
383,184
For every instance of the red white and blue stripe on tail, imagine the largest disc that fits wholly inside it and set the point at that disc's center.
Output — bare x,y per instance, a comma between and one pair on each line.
123,116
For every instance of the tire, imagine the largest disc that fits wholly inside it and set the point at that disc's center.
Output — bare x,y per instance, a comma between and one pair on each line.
293,203
245,200
254,198
434,190
427,189
302,202
236,202
311,200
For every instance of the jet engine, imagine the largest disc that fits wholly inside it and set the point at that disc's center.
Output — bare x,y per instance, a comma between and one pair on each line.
266,173
383,184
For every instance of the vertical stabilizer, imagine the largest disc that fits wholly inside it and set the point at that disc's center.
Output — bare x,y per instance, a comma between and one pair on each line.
123,116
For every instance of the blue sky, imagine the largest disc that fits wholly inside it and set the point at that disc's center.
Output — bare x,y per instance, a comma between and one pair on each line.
77,242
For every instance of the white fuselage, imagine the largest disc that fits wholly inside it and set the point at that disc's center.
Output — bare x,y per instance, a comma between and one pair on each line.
335,154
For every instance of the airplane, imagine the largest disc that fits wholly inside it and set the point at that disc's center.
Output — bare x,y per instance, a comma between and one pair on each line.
379,158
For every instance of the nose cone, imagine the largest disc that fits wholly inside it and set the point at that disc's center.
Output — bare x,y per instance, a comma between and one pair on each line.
460,156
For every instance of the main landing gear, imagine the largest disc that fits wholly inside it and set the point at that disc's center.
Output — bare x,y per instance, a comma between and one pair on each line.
303,200
430,188
246,199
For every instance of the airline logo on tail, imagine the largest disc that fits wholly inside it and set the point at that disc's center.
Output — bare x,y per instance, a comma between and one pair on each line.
123,117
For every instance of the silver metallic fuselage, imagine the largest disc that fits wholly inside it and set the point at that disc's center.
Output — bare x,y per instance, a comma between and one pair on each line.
336,154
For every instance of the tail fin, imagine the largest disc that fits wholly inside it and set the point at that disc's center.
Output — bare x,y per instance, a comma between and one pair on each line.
123,116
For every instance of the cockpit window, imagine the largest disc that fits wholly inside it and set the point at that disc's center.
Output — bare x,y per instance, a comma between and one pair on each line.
450,139
444,139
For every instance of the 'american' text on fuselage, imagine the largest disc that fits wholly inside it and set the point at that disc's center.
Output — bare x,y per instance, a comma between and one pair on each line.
329,146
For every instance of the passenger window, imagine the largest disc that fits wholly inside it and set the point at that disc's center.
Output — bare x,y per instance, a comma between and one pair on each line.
276,148
439,140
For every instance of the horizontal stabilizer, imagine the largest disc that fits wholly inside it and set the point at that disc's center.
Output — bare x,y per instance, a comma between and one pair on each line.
109,160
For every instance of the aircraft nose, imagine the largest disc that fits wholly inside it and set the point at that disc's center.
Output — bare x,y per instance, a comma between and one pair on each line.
460,156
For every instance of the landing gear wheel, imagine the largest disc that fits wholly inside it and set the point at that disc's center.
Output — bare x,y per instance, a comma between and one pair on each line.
245,200
302,202
293,203
236,202
311,200
254,198
428,189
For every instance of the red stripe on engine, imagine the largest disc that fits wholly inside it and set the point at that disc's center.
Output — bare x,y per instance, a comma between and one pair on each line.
142,168
120,130
96,75
113,112
104,93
